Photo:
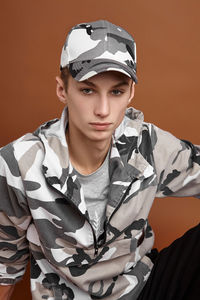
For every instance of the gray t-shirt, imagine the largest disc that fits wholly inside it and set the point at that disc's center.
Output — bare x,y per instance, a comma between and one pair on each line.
95,188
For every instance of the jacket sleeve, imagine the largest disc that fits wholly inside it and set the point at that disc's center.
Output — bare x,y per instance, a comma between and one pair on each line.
177,164
14,220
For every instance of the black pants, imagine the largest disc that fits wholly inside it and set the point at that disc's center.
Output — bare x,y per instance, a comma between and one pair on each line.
176,272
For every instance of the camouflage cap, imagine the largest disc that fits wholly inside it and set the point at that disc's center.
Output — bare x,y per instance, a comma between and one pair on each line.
96,47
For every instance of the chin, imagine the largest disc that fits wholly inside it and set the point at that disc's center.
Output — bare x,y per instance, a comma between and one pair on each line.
100,136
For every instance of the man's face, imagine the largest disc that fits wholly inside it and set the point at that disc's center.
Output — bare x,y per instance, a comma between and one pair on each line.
96,106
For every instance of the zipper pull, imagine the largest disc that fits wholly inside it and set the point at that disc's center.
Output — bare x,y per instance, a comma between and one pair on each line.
96,250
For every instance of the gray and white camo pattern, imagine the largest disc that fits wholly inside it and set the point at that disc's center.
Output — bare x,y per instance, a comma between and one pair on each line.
43,215
96,47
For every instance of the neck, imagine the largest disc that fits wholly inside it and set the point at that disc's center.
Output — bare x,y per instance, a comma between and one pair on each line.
86,156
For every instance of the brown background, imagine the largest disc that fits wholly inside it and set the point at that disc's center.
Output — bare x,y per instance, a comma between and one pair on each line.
168,43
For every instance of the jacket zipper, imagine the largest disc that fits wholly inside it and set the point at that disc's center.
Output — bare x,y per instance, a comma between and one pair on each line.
96,246
116,209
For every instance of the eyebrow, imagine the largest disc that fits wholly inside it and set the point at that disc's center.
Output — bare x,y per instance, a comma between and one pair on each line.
126,83
121,84
88,83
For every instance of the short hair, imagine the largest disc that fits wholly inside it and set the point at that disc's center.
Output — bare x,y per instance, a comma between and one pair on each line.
64,75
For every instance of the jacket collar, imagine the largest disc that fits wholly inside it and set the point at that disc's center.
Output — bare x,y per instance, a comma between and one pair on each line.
127,139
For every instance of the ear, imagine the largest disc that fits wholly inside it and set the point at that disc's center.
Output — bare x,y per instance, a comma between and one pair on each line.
132,91
60,90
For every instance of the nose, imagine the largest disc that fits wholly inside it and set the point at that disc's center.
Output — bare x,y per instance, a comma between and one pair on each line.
102,106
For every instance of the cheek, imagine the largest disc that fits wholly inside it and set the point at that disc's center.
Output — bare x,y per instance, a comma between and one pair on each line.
120,107
78,111
74,104
119,111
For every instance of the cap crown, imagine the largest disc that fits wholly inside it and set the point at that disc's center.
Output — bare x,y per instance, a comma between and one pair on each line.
91,48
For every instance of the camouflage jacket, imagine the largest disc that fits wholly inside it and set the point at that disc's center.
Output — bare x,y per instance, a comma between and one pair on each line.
43,213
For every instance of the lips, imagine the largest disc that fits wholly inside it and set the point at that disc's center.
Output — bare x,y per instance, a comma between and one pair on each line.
100,125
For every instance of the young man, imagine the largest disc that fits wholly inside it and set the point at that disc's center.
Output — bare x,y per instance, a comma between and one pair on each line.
75,194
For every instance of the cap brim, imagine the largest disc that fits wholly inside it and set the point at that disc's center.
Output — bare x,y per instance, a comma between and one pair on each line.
84,70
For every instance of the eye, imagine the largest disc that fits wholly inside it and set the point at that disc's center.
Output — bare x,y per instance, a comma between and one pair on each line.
117,92
87,91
